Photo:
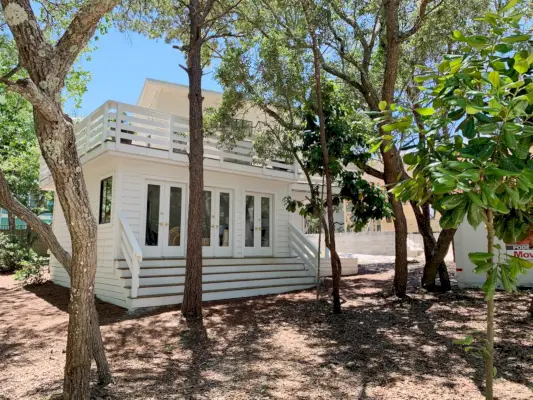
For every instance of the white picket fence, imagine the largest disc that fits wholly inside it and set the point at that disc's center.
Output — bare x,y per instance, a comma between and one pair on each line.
144,131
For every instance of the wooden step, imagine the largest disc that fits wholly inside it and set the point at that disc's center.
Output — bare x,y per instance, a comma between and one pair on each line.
180,262
173,271
226,285
177,298
216,277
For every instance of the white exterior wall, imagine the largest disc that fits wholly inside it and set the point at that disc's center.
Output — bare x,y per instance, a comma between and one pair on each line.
108,286
468,240
133,176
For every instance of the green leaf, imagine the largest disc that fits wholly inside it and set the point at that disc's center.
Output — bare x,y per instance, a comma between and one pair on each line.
509,5
516,38
382,105
521,66
494,78
375,146
476,214
498,205
390,127
480,256
425,111
452,201
475,199
509,139
458,35
410,158
469,128
489,287
483,268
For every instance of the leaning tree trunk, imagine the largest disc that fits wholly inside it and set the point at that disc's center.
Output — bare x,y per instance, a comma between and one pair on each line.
435,251
335,260
59,151
45,232
47,63
192,298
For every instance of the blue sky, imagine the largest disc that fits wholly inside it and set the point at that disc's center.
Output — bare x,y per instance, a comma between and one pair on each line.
121,64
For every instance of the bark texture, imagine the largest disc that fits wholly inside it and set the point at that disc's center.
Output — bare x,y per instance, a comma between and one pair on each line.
392,162
10,203
47,66
387,31
434,250
192,297
330,231
489,346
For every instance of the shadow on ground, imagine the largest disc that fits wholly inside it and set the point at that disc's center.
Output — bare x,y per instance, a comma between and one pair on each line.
292,347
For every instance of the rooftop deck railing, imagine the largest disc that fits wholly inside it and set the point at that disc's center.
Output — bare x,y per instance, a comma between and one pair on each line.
143,131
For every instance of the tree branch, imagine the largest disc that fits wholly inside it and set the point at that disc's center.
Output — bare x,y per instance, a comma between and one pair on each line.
422,13
31,92
79,32
12,205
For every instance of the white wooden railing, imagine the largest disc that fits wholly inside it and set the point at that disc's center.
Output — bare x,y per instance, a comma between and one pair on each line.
132,253
304,248
148,132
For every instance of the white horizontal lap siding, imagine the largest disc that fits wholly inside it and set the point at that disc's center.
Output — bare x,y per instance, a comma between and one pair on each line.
131,197
107,286
281,225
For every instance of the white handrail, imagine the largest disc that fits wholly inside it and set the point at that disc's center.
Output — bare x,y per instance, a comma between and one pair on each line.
303,247
132,253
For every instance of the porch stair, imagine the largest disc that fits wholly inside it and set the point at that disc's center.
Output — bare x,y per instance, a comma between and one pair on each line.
161,280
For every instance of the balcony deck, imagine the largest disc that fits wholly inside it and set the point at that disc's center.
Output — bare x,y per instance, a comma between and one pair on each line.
145,132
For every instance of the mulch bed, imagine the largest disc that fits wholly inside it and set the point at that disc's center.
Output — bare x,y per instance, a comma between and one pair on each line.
278,347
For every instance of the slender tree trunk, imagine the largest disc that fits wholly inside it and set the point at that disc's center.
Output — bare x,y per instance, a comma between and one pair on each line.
392,163
11,222
192,297
489,347
335,260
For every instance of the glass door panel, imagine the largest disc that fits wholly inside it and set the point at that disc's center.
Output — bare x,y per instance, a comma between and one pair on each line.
174,217
153,197
258,225
265,221
223,219
206,218
249,226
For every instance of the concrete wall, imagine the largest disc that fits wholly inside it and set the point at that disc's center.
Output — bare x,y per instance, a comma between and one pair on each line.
373,243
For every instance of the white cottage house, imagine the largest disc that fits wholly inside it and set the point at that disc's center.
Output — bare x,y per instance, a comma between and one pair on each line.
136,168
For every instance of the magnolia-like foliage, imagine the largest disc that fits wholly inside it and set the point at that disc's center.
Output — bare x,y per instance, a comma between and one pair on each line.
475,132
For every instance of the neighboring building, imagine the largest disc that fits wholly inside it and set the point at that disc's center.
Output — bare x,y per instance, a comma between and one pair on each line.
136,168
4,223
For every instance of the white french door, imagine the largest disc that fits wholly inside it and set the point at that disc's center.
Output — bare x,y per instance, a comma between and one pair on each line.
257,224
164,220
217,222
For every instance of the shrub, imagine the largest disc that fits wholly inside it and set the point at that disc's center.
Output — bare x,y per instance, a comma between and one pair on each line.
13,251
31,272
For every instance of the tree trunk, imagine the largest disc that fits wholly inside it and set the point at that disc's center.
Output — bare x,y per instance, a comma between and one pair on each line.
192,297
335,260
11,222
392,163
59,151
46,233
434,250
489,346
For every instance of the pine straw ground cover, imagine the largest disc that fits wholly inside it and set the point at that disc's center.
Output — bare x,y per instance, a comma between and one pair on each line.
277,347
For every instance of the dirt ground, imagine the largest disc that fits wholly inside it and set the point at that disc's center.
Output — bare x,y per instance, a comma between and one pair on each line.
277,347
